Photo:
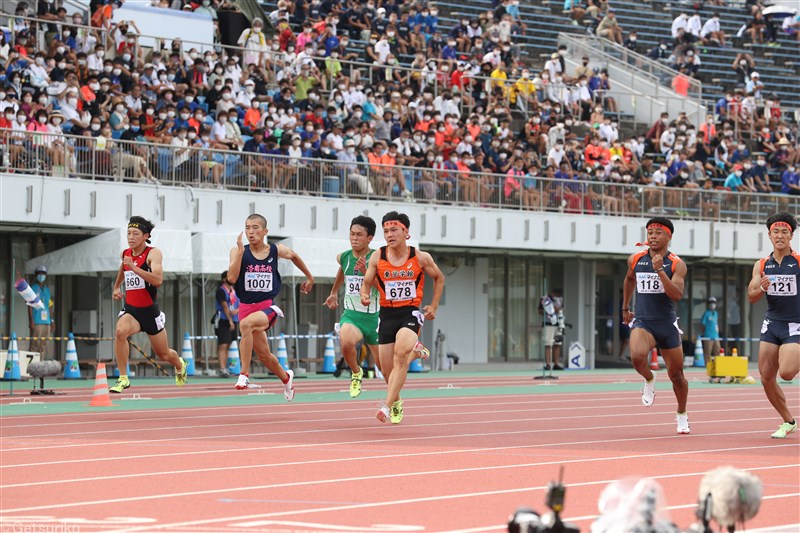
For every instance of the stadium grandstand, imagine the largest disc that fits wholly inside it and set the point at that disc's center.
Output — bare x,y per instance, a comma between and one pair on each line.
529,143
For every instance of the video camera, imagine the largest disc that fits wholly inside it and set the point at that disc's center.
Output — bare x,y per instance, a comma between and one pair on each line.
526,520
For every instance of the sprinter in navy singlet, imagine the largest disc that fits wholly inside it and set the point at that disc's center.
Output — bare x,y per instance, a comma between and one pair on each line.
253,271
777,276
657,276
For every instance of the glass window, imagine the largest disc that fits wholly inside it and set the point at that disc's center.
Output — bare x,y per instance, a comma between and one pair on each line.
517,305
496,311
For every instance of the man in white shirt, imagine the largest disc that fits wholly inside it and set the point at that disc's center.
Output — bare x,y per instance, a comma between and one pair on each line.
382,50
667,140
553,66
679,23
245,97
712,31
694,25
95,61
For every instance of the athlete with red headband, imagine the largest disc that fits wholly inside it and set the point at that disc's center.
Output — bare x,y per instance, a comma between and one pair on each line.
400,271
657,276
778,276
142,273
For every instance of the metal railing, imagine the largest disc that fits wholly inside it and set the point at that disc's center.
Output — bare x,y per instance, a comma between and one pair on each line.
117,160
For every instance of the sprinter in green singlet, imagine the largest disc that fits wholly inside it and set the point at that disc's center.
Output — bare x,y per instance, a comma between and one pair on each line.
358,321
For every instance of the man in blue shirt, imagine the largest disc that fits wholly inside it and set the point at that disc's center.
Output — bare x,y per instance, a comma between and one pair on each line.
734,180
710,322
790,181
41,321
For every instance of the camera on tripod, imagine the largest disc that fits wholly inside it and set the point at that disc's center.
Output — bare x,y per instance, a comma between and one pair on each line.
529,521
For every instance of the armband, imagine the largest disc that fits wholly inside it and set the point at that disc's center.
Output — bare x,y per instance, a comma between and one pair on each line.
762,288
660,269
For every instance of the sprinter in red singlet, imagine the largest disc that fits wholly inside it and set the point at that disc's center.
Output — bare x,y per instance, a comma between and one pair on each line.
400,273
142,273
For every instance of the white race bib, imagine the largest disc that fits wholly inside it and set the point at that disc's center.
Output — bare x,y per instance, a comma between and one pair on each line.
401,290
649,283
258,281
353,285
782,285
133,281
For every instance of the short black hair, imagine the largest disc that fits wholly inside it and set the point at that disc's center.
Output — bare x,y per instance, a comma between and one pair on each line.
400,217
664,221
144,225
261,218
224,276
365,222
782,217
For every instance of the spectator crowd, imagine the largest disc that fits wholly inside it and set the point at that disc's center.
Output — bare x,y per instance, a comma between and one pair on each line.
380,93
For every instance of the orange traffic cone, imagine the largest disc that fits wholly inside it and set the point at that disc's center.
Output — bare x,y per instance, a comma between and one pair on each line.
100,397
654,360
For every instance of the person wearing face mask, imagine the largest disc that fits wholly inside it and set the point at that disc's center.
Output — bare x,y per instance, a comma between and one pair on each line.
734,181
41,321
710,322
254,42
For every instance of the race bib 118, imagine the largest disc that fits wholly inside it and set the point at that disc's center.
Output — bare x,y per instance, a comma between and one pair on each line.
649,283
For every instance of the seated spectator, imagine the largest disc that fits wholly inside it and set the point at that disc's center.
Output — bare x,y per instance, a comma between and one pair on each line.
790,181
609,28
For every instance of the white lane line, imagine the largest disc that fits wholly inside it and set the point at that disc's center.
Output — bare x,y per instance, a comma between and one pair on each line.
336,444
636,410
105,417
469,451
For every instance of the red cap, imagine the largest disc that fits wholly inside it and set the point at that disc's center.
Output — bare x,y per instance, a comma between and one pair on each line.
738,167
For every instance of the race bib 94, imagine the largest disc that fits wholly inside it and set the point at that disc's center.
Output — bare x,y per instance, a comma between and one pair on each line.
133,281
782,285
258,281
401,290
649,283
353,285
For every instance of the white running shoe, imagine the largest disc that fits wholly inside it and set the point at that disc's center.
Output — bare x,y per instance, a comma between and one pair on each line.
288,387
423,352
649,392
242,383
683,423
383,413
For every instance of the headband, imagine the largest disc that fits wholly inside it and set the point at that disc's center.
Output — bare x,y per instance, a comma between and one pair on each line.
141,227
662,227
394,223
781,224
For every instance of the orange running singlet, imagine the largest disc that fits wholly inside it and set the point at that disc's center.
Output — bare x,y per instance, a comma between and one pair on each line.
400,286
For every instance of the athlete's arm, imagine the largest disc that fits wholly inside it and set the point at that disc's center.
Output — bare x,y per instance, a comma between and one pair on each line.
369,277
156,275
332,301
628,286
758,284
285,252
674,287
431,270
235,261
115,292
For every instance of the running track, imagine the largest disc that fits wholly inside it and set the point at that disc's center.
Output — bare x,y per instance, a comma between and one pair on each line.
471,449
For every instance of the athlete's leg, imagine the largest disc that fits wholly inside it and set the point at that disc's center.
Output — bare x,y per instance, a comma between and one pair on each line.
160,345
265,355
126,326
401,358
768,366
374,350
386,357
252,323
349,336
789,361
642,342
673,358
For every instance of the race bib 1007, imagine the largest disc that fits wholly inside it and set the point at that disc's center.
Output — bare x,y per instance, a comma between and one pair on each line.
401,290
133,281
258,281
353,285
649,283
782,285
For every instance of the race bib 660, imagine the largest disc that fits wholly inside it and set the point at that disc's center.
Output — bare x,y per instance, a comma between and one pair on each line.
133,281
258,281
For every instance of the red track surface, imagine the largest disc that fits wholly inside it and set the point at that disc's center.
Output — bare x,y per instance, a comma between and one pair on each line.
457,463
